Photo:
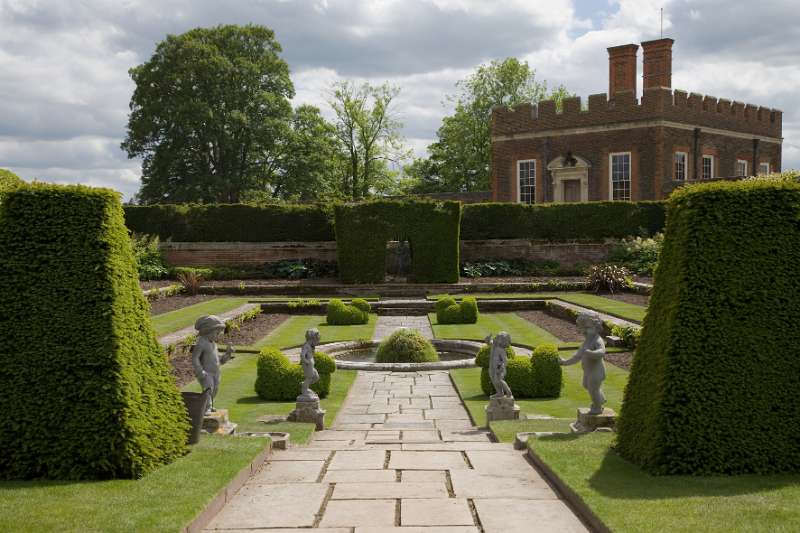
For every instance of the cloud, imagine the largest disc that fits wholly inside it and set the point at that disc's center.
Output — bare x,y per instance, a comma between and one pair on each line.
64,87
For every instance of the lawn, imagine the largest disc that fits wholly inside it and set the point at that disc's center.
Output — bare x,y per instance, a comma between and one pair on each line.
293,331
164,500
522,331
627,499
237,394
181,318
573,395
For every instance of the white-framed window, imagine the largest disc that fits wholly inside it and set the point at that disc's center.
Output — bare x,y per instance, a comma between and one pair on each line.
526,179
680,166
619,175
708,167
741,167
763,168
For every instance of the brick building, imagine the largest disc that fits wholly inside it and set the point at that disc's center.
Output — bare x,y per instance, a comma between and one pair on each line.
625,148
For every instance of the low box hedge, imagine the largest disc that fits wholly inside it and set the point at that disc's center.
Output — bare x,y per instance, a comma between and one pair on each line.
278,379
450,312
714,383
538,376
86,388
342,314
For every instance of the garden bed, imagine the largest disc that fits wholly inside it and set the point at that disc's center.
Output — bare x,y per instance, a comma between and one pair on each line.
642,300
160,306
565,330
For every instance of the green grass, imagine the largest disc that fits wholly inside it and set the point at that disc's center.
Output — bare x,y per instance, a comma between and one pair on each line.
164,500
237,395
506,430
522,331
573,395
184,317
293,331
627,499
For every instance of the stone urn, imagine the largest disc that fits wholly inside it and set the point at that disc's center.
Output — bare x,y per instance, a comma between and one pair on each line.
196,403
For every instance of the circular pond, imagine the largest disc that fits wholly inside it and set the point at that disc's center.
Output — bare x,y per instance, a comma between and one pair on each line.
361,355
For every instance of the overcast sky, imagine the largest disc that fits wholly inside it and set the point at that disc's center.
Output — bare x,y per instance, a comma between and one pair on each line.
64,84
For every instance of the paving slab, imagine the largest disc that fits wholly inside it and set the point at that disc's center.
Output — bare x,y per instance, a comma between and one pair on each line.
333,434
356,491
527,516
503,463
300,455
412,529
424,476
360,476
288,472
355,513
441,512
474,484
289,505
407,460
358,460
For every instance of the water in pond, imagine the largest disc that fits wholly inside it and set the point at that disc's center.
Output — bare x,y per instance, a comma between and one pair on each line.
367,355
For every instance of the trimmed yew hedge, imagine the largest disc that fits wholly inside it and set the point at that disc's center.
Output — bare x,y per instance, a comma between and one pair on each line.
278,379
432,229
561,222
232,222
86,388
714,384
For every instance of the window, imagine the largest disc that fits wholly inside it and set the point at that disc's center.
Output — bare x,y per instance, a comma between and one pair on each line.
741,167
708,167
620,175
526,175
680,166
763,168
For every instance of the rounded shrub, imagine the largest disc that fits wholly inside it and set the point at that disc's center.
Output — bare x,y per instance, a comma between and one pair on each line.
279,379
443,303
547,375
360,303
448,311
482,357
538,376
406,346
469,310
341,314
451,315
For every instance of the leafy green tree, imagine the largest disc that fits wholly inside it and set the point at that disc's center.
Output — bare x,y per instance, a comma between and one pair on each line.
369,132
460,158
8,179
209,112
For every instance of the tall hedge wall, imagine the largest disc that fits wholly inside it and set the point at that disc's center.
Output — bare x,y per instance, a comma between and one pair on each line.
715,382
85,388
561,222
432,229
232,223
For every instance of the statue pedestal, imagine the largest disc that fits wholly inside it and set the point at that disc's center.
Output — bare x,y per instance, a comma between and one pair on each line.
588,422
502,409
217,422
307,410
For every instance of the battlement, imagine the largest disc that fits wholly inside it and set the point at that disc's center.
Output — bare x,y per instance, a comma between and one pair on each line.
657,103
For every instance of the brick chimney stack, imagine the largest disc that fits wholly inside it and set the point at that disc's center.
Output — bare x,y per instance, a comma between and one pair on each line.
657,58
622,69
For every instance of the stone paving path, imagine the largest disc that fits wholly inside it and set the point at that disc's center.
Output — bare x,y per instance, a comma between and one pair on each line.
386,325
401,457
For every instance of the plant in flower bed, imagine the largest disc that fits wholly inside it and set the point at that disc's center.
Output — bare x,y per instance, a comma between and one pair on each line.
279,379
610,278
149,260
510,268
450,312
406,346
190,280
538,376
629,335
639,254
341,314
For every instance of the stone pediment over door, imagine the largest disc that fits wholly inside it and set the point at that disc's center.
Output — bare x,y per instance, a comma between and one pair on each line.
570,178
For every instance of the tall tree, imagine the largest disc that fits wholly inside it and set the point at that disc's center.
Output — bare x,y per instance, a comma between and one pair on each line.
369,131
208,114
460,158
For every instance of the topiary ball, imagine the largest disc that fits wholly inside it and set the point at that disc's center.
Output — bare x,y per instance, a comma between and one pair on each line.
469,310
340,314
360,303
279,379
406,346
547,373
443,303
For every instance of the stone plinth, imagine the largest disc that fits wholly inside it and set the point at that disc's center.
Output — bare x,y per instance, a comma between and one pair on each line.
308,411
217,422
588,422
502,409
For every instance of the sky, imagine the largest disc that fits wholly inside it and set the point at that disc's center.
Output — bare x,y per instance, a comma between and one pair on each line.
65,88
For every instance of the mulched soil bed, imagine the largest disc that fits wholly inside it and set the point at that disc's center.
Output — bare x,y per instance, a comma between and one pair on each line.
147,285
179,301
563,329
182,371
628,297
622,360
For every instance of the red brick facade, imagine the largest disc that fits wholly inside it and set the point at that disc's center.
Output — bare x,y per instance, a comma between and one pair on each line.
651,130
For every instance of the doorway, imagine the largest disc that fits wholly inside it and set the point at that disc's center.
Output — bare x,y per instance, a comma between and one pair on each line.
572,190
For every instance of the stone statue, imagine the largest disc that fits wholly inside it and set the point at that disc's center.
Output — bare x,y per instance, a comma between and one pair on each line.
498,358
591,354
307,363
205,357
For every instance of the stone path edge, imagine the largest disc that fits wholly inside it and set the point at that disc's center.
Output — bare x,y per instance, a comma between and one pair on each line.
572,499
204,517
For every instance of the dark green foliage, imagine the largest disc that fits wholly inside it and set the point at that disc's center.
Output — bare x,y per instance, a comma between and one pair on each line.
538,376
284,269
450,312
561,222
432,229
629,334
8,181
86,388
406,346
149,260
362,304
232,222
512,267
714,383
608,278
638,254
341,314
278,379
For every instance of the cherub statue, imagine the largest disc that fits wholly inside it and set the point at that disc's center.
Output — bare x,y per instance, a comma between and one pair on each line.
498,358
205,357
591,354
307,363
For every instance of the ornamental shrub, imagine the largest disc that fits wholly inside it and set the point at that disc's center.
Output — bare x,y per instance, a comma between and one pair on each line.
406,346
443,303
538,376
611,278
86,388
360,303
149,261
341,314
713,388
547,377
8,182
639,254
450,312
278,379
469,310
